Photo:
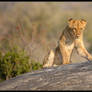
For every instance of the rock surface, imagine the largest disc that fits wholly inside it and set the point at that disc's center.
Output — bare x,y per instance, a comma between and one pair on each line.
76,76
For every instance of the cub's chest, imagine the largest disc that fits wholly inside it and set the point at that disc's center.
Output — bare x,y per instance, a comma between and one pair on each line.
68,42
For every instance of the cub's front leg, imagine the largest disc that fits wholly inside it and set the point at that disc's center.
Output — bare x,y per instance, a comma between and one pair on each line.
66,51
81,50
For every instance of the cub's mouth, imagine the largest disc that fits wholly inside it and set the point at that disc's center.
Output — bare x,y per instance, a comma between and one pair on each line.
77,36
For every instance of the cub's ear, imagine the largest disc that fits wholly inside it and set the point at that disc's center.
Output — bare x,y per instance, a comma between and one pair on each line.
70,19
84,22
70,22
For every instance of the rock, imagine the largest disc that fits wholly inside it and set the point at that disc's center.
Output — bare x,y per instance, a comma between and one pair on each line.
75,76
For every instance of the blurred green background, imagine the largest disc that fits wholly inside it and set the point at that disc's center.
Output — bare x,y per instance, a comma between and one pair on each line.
37,26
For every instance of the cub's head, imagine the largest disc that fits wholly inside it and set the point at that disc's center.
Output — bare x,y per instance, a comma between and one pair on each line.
77,26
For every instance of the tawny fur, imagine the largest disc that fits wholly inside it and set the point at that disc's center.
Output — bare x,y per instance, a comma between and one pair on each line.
50,59
71,37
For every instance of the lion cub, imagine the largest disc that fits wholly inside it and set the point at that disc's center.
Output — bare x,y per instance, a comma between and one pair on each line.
71,37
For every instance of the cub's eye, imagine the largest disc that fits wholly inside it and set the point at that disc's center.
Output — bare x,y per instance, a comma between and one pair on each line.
81,28
74,29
